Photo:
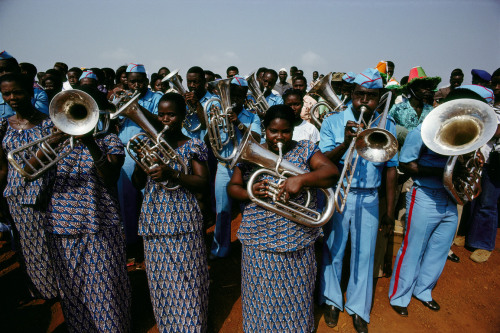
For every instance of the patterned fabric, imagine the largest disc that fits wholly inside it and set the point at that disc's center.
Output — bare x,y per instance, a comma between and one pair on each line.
404,114
91,269
173,212
277,290
266,230
81,202
29,211
178,281
305,113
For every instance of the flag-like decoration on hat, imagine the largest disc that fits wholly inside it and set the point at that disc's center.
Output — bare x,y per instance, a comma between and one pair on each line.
382,66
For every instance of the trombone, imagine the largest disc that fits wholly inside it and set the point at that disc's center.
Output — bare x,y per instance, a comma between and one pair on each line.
373,144
325,90
175,79
73,112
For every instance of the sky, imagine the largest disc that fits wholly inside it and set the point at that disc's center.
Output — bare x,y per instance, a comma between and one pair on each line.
322,35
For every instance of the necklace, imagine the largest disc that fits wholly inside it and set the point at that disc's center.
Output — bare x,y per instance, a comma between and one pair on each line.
22,125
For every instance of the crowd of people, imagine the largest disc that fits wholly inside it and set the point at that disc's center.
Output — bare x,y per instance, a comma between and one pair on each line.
73,222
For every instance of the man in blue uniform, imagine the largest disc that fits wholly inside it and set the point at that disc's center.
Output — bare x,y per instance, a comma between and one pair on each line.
241,119
360,216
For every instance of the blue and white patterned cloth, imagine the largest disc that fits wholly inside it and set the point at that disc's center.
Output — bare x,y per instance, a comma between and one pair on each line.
404,114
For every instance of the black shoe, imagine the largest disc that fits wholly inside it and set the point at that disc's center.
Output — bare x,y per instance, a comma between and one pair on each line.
431,305
359,324
331,315
400,310
453,257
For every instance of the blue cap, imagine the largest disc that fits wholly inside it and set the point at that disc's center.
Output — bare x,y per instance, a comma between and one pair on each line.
349,77
485,93
370,78
239,80
4,55
136,68
482,74
89,75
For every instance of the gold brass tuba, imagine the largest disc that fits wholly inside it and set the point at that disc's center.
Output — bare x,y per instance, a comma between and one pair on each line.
260,105
175,79
73,112
217,120
273,165
373,144
149,148
458,128
324,89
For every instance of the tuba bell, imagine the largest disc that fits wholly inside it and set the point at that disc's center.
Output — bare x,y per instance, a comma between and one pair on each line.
324,89
273,165
260,104
149,148
458,129
73,112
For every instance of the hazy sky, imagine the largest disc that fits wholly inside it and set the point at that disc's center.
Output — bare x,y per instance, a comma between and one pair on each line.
313,35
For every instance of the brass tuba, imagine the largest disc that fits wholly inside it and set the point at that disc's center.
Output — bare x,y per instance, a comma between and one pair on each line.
251,151
149,148
373,144
216,113
458,128
260,105
175,79
324,89
73,112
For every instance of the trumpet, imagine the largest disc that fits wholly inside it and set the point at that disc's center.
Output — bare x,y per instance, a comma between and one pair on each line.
373,144
149,149
324,89
458,129
217,121
175,79
272,165
260,105
73,112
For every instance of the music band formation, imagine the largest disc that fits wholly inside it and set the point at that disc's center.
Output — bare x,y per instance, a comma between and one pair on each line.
89,164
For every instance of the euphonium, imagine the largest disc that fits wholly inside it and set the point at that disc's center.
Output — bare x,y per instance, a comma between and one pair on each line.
260,105
458,129
175,79
373,144
149,148
73,112
324,89
273,165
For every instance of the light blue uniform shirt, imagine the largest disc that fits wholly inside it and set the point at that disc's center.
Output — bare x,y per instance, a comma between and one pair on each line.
40,101
414,149
193,119
367,174
248,119
273,99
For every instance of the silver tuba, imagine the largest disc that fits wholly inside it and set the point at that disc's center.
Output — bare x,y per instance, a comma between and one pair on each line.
175,79
73,112
149,148
458,129
373,144
324,89
273,165
260,105
217,120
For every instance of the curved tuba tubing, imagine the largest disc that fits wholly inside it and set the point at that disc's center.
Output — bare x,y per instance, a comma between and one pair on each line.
175,79
324,89
149,148
273,165
217,120
73,112
260,105
458,129
373,144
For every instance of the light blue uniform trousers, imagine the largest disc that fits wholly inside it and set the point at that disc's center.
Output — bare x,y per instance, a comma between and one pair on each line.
360,218
222,234
430,228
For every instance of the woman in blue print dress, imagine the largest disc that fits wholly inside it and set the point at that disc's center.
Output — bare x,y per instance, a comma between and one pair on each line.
171,225
278,263
27,200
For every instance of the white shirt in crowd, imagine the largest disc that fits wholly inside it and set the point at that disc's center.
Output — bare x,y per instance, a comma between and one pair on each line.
305,131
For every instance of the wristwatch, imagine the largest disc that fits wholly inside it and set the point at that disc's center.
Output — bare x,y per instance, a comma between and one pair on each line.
241,127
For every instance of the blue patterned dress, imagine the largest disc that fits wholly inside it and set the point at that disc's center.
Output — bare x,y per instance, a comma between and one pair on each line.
86,242
174,251
278,266
28,206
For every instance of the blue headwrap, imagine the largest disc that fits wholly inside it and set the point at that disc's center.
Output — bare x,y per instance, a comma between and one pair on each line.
370,78
239,80
136,68
89,75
